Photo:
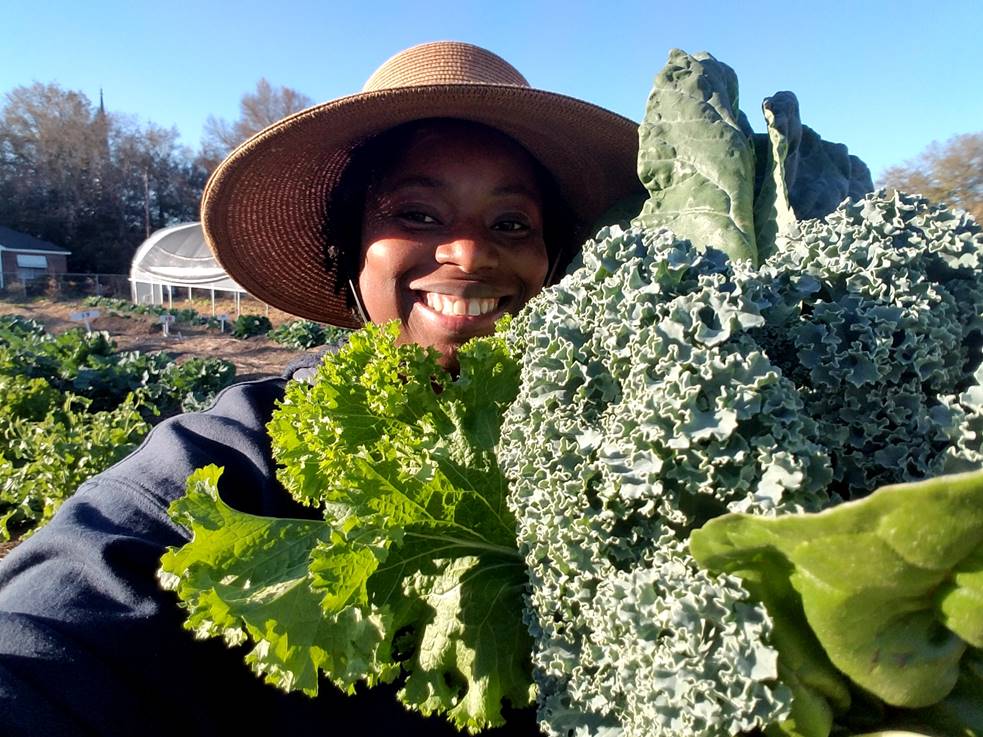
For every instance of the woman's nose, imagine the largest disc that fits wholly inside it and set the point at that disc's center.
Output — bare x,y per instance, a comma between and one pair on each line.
471,254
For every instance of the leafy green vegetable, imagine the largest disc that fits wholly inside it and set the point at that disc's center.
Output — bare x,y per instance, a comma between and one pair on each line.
126,308
71,406
235,587
48,450
891,585
246,326
696,157
414,575
303,334
664,384
88,365
646,408
961,712
773,214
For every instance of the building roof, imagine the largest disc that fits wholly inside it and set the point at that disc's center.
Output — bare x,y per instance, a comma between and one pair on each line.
12,240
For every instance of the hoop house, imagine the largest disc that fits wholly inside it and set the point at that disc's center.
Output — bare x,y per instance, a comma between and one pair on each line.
177,257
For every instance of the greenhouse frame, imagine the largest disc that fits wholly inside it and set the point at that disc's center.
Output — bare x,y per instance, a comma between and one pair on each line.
178,258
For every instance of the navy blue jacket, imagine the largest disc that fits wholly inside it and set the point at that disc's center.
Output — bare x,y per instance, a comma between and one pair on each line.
90,644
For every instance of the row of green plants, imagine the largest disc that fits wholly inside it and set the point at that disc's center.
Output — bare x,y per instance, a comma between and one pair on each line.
123,307
299,334
71,405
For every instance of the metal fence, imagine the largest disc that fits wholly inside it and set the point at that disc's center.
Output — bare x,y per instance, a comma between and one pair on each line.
65,286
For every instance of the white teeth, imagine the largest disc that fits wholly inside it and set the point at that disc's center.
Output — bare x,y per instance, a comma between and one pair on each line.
446,304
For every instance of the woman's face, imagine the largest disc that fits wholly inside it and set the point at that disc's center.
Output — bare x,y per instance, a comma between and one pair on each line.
452,237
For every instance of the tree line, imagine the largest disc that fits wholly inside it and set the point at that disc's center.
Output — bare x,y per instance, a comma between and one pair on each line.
98,182
949,172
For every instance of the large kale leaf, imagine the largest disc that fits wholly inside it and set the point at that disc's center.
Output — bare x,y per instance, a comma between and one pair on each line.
696,156
890,587
414,575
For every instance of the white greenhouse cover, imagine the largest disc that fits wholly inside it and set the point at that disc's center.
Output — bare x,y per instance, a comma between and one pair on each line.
178,257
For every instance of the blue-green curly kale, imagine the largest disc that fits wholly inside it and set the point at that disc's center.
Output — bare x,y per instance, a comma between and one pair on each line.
646,408
665,383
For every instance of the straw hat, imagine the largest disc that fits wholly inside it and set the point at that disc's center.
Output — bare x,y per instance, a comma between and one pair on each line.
263,209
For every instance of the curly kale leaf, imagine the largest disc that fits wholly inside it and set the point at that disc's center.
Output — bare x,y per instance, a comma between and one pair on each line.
874,313
646,408
663,386
414,575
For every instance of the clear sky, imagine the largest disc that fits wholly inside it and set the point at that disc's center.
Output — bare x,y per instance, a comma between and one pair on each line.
886,78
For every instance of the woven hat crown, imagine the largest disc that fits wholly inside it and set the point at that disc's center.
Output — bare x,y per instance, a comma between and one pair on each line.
444,62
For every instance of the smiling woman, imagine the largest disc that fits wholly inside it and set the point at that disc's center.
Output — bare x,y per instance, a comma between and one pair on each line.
441,197
284,213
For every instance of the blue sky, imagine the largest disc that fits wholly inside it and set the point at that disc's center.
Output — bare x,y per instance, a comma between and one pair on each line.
886,78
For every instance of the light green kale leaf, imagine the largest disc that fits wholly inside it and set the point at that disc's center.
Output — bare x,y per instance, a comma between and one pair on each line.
417,563
245,578
891,585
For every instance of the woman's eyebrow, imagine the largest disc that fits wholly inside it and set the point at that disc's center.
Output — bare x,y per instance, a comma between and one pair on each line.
518,189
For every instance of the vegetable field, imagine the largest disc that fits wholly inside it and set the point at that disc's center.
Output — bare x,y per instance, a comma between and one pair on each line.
73,402
142,332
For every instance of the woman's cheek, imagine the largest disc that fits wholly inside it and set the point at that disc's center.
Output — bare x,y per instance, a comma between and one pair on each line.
379,279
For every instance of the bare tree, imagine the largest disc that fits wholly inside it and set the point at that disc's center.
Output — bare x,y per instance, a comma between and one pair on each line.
257,109
87,180
950,172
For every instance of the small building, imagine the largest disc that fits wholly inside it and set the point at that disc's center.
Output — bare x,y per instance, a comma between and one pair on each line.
24,258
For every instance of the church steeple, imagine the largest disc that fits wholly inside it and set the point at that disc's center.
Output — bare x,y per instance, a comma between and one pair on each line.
101,122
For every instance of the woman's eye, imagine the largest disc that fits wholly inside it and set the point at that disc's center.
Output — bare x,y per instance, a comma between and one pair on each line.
512,226
417,217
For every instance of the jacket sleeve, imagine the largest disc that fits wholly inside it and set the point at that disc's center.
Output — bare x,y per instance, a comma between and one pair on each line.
90,644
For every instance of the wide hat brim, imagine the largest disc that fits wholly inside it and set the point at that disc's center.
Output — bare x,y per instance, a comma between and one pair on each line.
263,209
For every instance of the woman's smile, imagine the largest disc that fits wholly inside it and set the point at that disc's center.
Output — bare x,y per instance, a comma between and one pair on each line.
449,305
